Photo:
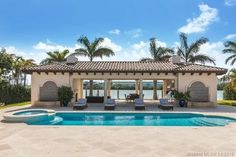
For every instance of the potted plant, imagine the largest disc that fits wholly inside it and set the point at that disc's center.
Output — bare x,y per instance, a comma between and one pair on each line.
65,94
182,97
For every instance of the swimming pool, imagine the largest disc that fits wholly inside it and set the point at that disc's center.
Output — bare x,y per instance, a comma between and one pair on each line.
135,119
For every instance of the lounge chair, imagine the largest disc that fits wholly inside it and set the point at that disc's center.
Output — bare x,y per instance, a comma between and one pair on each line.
110,104
80,105
165,105
139,104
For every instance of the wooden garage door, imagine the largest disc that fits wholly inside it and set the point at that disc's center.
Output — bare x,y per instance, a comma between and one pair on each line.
48,92
198,92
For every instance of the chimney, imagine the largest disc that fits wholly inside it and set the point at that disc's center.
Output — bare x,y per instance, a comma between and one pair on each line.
175,59
71,59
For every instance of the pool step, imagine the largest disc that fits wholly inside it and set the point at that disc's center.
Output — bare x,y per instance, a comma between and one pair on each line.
208,122
199,122
56,120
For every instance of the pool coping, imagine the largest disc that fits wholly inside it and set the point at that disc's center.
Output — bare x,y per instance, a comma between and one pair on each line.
12,117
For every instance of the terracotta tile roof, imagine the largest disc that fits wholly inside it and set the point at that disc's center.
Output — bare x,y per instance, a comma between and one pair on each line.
123,66
200,68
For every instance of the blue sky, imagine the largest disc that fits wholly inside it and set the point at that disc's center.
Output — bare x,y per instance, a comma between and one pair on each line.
31,28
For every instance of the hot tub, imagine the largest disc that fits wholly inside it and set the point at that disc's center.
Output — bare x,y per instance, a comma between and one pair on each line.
29,115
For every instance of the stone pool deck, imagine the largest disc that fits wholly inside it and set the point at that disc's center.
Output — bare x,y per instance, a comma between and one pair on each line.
21,140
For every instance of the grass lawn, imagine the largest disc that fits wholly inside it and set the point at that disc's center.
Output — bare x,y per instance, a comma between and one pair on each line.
15,104
227,102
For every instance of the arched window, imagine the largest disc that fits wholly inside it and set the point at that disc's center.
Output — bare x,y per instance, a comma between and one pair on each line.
199,92
48,92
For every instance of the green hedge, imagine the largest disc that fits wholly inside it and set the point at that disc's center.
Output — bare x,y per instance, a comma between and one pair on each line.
229,94
13,93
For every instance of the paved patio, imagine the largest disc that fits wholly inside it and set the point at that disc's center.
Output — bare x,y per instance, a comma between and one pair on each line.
22,140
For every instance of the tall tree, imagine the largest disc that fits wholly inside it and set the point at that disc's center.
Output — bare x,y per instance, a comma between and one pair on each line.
55,56
158,53
230,48
230,77
16,69
6,61
92,50
26,63
190,54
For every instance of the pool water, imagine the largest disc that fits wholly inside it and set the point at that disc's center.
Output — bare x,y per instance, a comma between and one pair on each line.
135,119
30,112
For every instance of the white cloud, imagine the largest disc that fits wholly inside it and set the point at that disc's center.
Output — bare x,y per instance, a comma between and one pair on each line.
230,2
37,56
231,36
135,33
214,49
199,24
44,47
114,31
108,43
49,46
143,44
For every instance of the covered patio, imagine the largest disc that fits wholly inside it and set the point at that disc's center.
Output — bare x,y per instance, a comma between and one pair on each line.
200,80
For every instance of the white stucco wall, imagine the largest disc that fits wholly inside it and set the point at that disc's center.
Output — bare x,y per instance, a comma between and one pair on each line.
75,80
210,81
37,81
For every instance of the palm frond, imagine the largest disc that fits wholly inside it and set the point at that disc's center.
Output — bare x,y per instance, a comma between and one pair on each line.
230,58
146,59
100,52
194,47
229,50
81,52
183,40
231,44
85,42
96,43
202,58
153,47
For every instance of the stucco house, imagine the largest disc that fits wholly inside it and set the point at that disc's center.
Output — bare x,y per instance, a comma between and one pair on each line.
200,80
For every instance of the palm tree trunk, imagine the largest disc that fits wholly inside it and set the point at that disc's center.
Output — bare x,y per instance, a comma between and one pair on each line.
155,89
24,80
90,87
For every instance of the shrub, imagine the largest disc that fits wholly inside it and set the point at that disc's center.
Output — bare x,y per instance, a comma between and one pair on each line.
13,93
229,93
182,95
65,94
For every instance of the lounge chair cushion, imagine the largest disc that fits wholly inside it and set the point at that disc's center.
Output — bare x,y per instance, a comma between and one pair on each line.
139,102
164,102
79,104
109,104
110,101
82,101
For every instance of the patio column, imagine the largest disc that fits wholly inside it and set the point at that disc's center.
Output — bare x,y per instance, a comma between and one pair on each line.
136,87
108,87
141,89
82,88
105,89
175,85
164,88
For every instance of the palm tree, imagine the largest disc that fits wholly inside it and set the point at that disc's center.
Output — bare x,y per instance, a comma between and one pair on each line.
26,63
231,78
231,49
190,54
158,54
92,50
55,56
16,69
6,61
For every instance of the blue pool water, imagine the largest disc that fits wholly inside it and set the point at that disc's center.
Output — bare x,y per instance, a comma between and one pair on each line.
135,119
30,112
